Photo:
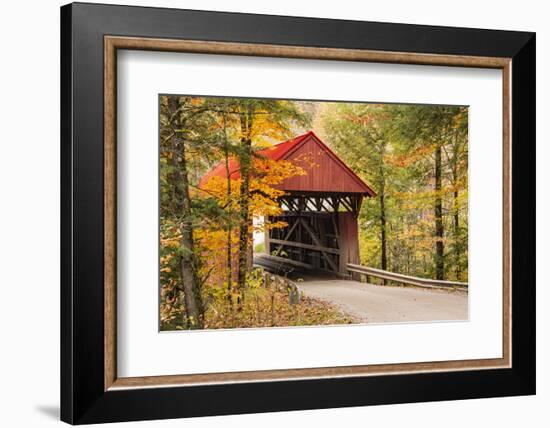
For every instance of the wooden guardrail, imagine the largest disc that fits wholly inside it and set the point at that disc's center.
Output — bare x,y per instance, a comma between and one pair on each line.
404,279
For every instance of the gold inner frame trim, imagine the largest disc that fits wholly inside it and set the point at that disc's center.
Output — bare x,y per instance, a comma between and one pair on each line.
113,43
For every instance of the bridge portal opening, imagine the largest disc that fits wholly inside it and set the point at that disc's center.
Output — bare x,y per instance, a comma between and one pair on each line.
321,233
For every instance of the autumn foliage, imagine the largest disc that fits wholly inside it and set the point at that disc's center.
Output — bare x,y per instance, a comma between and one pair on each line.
415,157
218,212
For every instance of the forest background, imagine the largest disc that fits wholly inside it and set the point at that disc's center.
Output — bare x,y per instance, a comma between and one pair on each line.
414,156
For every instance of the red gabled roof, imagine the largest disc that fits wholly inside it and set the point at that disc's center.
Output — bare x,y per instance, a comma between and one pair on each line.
278,151
274,152
220,170
330,175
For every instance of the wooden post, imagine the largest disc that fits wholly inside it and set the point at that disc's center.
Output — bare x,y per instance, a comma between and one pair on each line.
293,294
348,239
267,236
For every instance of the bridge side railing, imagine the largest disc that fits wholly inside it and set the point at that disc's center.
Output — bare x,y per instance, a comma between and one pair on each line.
404,279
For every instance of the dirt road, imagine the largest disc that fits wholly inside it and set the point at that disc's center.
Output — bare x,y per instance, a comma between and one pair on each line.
378,304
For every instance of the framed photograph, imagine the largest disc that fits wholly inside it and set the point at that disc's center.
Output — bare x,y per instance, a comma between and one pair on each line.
266,213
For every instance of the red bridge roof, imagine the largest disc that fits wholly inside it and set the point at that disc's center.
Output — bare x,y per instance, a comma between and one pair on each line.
325,172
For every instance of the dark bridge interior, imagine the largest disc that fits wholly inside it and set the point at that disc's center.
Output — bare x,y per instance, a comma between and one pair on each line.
321,232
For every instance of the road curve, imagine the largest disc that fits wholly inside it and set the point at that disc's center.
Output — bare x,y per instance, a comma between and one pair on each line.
379,304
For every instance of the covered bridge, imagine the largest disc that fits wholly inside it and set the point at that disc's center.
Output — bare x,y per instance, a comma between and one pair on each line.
320,208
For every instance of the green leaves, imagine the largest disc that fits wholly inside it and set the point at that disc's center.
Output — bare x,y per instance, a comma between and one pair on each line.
392,147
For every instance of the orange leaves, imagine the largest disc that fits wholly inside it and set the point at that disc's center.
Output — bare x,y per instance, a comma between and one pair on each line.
267,175
212,238
273,172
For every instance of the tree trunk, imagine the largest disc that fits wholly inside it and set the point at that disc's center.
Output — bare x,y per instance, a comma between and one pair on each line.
229,267
229,227
191,287
244,218
383,237
438,210
383,216
456,224
456,227
193,298
245,160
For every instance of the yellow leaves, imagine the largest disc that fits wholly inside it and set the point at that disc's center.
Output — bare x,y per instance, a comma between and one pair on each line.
268,174
216,186
411,157
267,126
166,259
277,225
170,237
261,206
173,242
266,130
418,198
212,238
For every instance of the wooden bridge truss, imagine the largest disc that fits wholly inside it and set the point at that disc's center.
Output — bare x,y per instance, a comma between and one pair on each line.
322,202
321,231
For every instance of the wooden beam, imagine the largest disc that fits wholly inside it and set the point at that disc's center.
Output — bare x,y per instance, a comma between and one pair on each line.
346,204
313,214
286,237
335,226
318,243
288,261
306,246
326,205
334,202
290,203
319,204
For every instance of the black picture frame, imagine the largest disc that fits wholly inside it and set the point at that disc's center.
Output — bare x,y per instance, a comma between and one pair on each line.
83,398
